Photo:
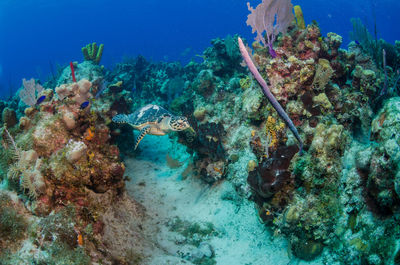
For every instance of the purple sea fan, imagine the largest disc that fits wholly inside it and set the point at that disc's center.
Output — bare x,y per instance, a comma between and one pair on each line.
30,92
271,16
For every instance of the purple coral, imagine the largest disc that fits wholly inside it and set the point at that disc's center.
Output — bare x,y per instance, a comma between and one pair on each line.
271,16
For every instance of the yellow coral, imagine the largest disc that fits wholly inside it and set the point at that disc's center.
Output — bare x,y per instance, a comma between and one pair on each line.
272,129
299,17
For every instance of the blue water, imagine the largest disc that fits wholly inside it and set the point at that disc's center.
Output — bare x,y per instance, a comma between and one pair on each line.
38,33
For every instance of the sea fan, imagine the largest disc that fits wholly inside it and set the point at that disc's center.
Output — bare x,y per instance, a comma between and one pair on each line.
30,92
271,16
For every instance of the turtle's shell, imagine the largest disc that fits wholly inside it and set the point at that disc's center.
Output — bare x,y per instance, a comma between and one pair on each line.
149,114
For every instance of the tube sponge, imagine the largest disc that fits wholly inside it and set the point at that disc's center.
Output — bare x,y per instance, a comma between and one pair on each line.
299,17
92,52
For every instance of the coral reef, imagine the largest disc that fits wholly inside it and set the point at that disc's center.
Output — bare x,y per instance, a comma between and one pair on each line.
69,174
329,94
338,202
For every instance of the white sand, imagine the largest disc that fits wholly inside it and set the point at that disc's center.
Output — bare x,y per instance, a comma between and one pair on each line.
243,240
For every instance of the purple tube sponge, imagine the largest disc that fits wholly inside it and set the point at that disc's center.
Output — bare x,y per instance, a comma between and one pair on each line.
267,92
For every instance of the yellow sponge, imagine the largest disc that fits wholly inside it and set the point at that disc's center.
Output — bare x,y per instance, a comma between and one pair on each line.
299,17
92,52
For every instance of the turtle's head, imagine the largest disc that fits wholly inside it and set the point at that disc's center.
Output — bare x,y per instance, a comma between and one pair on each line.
179,123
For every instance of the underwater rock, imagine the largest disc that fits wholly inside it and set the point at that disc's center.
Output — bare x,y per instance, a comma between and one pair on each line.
204,250
223,58
307,250
363,159
205,83
86,70
49,135
364,80
13,222
333,42
383,166
200,113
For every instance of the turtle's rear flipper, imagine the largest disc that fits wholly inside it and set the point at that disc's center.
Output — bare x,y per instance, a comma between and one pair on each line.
141,135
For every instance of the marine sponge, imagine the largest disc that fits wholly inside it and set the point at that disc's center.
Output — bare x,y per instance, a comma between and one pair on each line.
92,52
298,13
79,92
9,117
75,150
69,119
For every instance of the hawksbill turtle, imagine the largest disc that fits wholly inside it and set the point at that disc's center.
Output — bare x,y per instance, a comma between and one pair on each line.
154,120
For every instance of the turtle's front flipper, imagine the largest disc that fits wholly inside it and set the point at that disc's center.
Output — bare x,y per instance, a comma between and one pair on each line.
141,135
121,118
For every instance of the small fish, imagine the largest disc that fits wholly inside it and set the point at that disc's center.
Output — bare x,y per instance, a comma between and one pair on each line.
84,104
357,42
40,100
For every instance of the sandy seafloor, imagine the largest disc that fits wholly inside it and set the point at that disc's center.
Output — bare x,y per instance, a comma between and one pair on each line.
242,239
